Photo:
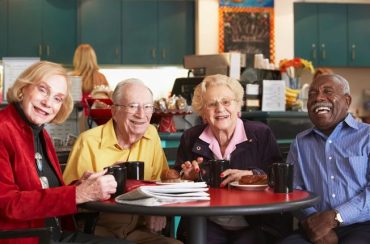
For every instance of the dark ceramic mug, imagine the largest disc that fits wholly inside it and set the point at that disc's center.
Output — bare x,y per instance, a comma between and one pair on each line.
281,177
135,170
119,173
210,172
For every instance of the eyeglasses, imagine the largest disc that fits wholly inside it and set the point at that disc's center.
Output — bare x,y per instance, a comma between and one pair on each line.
225,102
134,107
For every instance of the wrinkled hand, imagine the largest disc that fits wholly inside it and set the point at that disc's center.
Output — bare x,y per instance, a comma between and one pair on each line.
319,225
231,175
191,169
95,186
155,223
330,238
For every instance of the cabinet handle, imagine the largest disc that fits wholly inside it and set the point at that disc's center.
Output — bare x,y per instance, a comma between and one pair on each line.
47,50
314,52
353,52
154,53
40,50
323,52
116,52
164,53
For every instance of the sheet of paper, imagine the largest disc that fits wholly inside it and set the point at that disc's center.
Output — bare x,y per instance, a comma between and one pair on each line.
13,67
76,88
273,95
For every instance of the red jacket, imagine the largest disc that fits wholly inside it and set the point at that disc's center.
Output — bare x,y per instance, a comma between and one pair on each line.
23,203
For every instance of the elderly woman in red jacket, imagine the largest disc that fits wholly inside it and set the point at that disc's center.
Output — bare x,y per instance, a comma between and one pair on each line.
32,191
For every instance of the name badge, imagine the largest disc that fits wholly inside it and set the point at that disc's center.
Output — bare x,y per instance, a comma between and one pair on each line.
44,182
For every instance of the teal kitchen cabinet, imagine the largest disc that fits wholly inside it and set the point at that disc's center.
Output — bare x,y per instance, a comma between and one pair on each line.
99,24
359,35
320,33
44,28
334,35
3,27
138,32
157,32
175,31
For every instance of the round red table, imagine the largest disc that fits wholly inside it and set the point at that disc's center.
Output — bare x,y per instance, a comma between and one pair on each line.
223,202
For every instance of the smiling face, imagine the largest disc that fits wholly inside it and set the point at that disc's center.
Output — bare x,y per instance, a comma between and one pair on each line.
220,109
42,101
327,104
131,123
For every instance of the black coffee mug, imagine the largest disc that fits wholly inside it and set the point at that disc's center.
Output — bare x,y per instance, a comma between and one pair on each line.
119,173
135,170
210,172
281,177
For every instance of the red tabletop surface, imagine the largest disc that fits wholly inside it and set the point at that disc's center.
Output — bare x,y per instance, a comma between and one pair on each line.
223,197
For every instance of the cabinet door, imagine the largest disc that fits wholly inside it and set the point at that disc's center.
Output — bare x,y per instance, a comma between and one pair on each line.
59,30
332,34
175,31
3,30
24,28
359,35
139,32
100,26
306,37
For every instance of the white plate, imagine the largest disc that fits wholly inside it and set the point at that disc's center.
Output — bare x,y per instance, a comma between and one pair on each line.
249,187
171,183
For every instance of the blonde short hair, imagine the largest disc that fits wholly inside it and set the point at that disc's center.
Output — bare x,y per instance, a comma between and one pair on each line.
215,80
35,74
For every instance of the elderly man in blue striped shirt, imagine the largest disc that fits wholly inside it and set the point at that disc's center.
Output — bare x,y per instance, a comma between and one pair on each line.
332,160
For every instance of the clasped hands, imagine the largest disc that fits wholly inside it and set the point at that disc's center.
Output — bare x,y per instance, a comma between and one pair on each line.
190,171
319,227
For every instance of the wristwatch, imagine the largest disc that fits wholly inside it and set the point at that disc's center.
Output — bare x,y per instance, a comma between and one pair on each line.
338,218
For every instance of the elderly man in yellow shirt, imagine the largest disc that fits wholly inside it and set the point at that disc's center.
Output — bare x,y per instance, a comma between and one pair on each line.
128,136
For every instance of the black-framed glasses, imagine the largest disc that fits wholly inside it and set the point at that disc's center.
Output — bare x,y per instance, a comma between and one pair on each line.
225,102
135,107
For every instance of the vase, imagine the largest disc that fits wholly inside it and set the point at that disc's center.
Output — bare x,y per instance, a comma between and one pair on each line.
294,82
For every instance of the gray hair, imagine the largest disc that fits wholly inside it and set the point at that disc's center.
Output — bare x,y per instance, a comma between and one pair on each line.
338,79
118,92
215,80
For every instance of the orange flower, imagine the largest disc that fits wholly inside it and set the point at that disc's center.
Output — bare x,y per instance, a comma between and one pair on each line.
294,67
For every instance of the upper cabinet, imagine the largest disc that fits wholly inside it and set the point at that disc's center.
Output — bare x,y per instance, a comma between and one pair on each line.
359,35
100,26
4,34
138,31
157,32
332,34
43,28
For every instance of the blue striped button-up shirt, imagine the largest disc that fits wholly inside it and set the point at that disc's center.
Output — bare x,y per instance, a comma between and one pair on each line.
335,167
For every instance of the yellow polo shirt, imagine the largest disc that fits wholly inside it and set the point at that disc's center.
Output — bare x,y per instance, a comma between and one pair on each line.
97,148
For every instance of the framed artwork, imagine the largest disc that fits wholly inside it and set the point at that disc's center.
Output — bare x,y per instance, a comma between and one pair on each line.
247,30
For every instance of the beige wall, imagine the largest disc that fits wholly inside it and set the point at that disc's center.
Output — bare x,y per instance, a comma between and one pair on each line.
207,40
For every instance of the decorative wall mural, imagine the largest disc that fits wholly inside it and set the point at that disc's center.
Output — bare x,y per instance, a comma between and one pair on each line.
247,30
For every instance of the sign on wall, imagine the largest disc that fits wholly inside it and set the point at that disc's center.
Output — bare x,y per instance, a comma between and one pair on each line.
249,30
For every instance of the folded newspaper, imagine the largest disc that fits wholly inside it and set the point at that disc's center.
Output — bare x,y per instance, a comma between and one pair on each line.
165,194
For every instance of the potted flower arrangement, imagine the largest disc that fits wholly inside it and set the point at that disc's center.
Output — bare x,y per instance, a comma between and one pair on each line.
294,69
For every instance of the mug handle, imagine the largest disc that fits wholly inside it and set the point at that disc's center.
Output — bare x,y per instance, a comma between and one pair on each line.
270,176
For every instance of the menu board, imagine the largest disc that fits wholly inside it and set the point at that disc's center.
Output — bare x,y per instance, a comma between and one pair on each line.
13,67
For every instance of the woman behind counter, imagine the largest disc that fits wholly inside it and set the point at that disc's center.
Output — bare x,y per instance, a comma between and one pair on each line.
250,146
86,65
32,190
